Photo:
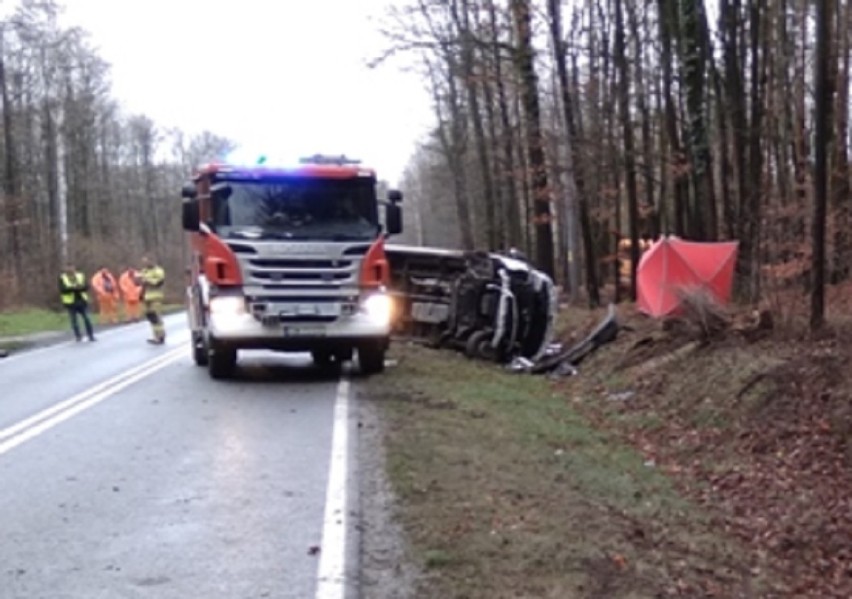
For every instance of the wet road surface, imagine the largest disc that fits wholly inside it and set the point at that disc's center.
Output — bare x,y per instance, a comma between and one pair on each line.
125,471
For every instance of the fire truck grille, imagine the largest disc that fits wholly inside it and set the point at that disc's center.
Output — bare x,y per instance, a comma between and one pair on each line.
277,274
270,275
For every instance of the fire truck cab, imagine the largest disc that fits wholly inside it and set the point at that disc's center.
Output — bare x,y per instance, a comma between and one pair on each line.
289,259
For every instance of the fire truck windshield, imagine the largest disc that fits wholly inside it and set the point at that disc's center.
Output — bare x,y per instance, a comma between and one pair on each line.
296,208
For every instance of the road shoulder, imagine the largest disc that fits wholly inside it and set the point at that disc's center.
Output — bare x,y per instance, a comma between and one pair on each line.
387,571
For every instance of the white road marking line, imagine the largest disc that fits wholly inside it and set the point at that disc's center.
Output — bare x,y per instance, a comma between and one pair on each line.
33,426
331,575
64,405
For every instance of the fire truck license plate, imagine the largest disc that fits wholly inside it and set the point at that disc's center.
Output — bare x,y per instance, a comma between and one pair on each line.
290,331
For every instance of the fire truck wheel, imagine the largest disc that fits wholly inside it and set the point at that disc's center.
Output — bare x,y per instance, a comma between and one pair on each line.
199,350
322,357
221,361
371,358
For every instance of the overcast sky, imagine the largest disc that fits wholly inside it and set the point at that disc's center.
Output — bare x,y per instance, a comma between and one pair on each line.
281,77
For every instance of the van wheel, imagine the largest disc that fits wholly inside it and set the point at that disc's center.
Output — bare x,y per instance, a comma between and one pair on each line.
221,360
199,350
371,358
478,345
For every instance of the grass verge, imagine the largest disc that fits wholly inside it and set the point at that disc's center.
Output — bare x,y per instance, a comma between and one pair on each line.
31,320
505,490
26,321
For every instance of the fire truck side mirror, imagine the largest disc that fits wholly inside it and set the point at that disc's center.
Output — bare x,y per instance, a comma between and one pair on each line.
191,216
395,196
188,191
393,219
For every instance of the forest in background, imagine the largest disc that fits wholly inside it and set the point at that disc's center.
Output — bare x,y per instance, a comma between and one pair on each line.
563,127
81,179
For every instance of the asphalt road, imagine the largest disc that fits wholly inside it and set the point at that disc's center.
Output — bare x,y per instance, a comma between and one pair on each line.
125,472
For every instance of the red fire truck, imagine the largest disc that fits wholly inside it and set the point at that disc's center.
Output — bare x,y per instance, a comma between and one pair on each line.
289,259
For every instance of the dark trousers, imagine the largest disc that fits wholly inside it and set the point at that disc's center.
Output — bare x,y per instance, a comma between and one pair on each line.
80,310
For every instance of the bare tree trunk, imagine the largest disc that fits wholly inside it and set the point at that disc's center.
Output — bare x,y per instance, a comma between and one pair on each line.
694,74
649,225
627,139
522,179
475,115
535,147
840,188
493,146
728,208
508,166
576,201
668,27
11,180
451,145
822,139
755,160
730,15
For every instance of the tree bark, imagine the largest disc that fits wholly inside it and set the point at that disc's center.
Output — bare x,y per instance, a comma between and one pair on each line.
822,139
627,140
535,148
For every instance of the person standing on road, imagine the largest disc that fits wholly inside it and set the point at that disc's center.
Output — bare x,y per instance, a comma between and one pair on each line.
131,290
75,299
106,290
153,279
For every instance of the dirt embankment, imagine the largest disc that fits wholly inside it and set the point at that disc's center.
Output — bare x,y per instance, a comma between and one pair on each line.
755,425
706,458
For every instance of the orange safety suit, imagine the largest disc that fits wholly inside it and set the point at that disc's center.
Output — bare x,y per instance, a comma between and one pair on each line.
132,292
106,290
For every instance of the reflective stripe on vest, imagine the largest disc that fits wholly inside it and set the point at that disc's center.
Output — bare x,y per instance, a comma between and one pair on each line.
69,296
153,279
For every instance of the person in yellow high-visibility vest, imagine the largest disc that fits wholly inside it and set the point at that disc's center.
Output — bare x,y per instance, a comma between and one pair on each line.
153,279
73,292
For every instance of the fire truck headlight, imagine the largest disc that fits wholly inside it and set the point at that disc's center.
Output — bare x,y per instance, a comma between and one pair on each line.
228,305
378,307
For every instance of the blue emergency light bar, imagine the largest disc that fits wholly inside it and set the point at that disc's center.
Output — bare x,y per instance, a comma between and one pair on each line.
265,171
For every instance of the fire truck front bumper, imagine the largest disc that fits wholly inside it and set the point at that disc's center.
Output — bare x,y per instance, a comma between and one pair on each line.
232,325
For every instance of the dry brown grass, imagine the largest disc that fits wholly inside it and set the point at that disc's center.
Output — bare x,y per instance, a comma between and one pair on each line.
755,427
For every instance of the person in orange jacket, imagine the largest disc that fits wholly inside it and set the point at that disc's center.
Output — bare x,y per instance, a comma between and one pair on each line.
131,290
106,289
